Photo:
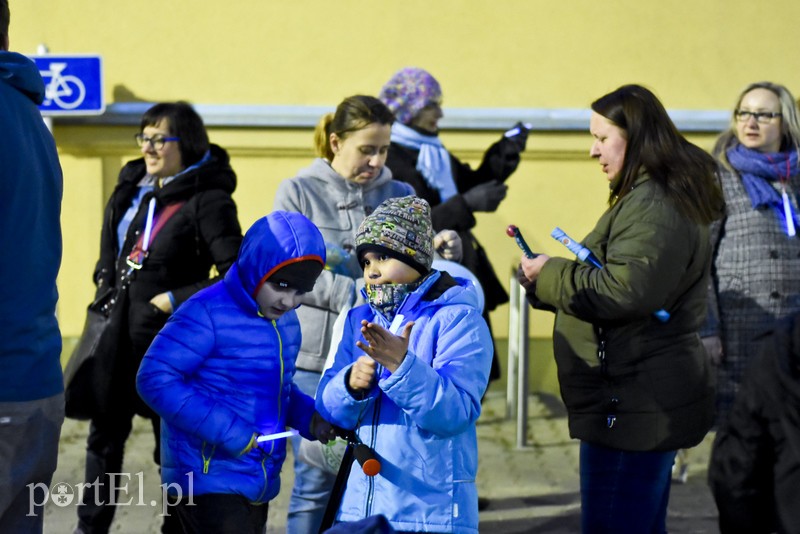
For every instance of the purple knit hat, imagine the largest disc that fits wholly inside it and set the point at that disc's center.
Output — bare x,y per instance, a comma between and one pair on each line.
408,91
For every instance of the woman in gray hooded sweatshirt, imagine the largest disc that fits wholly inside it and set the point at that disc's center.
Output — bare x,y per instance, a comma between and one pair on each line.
337,191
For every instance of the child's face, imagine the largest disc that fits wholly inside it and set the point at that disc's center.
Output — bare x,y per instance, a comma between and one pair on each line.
383,269
274,300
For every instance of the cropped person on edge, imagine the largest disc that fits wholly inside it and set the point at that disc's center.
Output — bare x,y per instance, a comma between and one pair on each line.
180,172
754,472
31,384
220,376
636,389
756,271
408,378
337,191
453,189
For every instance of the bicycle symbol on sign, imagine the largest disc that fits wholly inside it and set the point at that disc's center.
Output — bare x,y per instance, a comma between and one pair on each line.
67,91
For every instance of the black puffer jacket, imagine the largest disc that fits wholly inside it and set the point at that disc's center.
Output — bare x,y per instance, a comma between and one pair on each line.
755,462
202,234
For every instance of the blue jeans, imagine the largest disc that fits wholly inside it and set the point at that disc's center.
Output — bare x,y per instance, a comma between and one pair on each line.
312,486
624,492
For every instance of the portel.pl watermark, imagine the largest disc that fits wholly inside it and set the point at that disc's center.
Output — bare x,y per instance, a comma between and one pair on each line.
63,494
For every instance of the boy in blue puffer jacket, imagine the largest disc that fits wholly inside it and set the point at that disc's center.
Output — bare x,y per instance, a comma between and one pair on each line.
220,376
408,377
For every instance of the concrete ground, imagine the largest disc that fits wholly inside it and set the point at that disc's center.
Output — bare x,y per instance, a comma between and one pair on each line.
532,489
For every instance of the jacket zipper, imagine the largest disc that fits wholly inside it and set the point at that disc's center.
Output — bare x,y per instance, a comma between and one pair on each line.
206,461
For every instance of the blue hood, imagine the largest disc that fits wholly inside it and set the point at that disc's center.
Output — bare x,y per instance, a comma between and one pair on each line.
22,74
273,241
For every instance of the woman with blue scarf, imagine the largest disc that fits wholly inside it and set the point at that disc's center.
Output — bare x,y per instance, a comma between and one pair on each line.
756,270
453,189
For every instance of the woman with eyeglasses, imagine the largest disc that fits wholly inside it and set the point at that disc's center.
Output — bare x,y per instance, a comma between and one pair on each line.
179,195
756,269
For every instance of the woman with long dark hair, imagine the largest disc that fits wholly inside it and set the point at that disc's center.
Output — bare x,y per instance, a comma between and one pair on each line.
637,388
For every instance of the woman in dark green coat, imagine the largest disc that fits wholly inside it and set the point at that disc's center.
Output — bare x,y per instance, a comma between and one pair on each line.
636,388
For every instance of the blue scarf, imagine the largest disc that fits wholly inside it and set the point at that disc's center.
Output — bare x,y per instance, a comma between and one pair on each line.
757,169
433,161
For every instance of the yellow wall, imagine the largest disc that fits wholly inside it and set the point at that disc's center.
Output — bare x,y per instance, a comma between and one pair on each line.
499,54
514,53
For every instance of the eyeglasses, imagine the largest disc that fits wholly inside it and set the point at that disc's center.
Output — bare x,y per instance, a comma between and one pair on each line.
761,117
156,142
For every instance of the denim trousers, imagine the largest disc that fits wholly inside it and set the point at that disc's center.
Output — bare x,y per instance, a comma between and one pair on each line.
624,492
312,486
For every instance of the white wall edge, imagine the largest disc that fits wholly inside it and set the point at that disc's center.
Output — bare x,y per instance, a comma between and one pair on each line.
265,116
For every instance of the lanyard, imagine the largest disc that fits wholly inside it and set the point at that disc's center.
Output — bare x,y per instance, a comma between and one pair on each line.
787,205
151,228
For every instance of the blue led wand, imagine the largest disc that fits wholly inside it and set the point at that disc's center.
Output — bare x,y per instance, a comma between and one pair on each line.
584,254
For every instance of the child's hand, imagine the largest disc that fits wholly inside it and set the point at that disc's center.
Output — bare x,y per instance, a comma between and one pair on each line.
386,348
321,429
362,374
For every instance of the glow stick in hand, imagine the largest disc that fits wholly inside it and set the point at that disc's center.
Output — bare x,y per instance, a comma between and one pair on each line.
584,254
279,435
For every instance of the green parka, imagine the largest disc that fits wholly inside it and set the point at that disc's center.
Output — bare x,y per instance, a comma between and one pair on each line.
655,390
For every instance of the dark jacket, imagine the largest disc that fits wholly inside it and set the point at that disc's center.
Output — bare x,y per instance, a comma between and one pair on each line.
754,470
655,390
203,233
499,162
30,238
235,376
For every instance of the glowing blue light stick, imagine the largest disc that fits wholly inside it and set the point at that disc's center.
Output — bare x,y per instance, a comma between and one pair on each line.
584,254
279,435
516,130
787,213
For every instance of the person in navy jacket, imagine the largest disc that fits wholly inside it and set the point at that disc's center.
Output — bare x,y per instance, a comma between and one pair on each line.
31,383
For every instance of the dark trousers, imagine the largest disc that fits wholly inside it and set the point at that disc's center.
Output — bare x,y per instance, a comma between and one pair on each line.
104,454
221,513
624,492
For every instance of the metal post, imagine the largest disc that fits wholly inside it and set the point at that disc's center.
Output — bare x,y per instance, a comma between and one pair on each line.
513,347
522,369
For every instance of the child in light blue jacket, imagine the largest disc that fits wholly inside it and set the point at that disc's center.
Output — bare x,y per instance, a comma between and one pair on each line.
408,377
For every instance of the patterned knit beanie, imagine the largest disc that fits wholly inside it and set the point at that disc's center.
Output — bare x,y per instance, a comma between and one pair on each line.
408,91
401,228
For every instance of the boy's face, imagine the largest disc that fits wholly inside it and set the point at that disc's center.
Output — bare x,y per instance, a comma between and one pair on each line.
383,269
274,300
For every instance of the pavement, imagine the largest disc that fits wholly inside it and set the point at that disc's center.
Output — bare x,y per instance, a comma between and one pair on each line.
532,488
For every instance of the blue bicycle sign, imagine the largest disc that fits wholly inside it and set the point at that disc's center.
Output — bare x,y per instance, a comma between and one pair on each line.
73,84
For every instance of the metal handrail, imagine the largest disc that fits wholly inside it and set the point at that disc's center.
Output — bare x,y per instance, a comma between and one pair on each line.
517,387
